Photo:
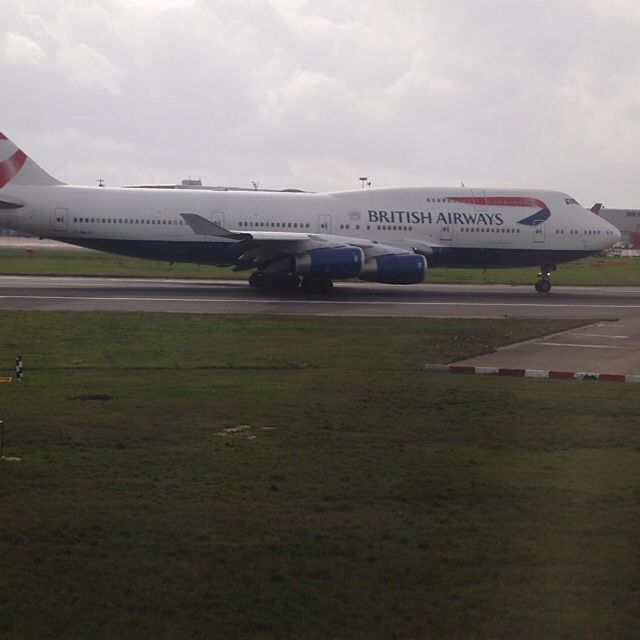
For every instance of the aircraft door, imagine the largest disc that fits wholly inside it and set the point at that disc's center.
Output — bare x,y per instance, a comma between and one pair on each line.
324,224
217,217
59,219
446,232
538,233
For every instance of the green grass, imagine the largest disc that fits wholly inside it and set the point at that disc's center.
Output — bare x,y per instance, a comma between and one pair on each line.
360,499
592,271
74,262
589,272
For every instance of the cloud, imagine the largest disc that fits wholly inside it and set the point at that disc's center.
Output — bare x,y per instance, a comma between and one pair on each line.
18,49
314,93
86,66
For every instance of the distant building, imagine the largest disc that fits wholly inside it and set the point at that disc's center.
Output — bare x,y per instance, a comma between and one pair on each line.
627,221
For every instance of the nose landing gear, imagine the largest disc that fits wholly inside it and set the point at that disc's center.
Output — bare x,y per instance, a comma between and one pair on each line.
543,285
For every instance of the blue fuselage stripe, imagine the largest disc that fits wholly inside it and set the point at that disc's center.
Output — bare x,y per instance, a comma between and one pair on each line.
224,253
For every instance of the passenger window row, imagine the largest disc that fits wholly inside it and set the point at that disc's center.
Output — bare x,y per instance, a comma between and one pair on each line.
393,227
587,232
127,221
489,230
275,225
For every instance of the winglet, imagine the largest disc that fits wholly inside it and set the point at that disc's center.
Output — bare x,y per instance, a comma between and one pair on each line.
596,208
203,227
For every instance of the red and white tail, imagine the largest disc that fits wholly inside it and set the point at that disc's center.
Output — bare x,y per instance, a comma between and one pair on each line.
16,167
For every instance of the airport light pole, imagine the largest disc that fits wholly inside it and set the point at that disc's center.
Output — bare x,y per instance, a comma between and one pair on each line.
363,180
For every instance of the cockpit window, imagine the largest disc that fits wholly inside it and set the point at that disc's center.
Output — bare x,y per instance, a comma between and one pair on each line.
571,201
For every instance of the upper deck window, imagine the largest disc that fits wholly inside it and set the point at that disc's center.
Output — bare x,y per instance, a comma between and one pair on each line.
571,201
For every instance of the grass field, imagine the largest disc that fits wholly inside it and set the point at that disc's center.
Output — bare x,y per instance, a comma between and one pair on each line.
192,476
593,271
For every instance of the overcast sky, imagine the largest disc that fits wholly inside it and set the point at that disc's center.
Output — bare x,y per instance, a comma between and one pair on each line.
316,93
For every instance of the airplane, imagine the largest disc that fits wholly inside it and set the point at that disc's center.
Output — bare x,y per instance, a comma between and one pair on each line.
292,239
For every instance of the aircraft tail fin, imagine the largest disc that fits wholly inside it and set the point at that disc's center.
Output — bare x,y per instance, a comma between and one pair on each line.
596,208
16,167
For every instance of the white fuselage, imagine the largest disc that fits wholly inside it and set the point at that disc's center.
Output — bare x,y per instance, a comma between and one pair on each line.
451,226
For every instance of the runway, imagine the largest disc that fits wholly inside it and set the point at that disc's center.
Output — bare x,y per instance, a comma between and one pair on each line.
347,299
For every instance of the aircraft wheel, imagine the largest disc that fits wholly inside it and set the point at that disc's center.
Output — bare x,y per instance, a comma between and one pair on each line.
257,280
291,282
285,284
309,285
316,285
543,286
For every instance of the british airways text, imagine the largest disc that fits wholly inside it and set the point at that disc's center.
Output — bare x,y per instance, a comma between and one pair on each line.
426,217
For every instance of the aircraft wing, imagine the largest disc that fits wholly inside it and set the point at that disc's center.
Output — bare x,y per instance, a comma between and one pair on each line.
272,250
203,227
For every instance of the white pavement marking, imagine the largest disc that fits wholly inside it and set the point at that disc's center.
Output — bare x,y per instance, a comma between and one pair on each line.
584,346
323,302
601,335
52,281
429,286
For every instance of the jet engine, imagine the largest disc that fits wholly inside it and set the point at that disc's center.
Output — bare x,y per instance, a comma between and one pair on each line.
395,269
332,262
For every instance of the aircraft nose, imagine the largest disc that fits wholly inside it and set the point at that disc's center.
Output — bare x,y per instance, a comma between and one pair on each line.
613,236
617,234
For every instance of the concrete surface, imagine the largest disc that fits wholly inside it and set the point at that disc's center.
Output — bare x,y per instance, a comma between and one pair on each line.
603,347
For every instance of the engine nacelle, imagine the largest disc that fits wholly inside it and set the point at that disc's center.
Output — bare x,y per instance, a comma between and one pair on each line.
395,269
332,262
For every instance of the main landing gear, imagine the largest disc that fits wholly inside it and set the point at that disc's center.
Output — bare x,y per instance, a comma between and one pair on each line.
311,284
289,283
543,285
259,280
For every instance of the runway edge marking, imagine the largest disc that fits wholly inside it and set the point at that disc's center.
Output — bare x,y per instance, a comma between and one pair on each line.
530,373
